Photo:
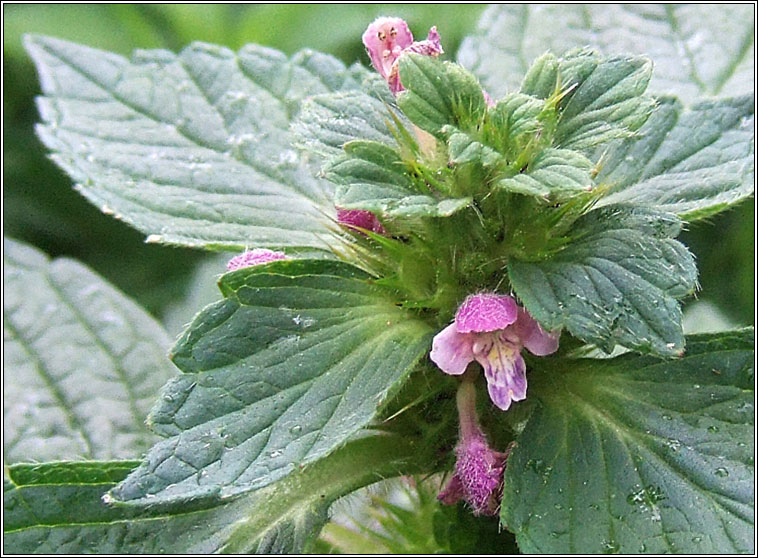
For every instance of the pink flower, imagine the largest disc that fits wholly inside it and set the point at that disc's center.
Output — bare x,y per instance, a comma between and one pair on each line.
479,469
254,257
361,219
478,475
387,38
492,329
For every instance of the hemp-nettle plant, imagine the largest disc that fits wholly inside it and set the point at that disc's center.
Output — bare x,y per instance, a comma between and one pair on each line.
439,269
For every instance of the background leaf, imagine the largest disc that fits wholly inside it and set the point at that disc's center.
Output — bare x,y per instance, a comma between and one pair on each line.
615,283
296,360
327,122
638,455
699,50
692,162
82,362
192,149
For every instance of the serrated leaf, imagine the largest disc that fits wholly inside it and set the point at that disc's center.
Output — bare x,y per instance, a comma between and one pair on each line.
327,122
439,94
692,162
542,78
515,115
699,50
463,148
554,174
604,99
192,149
58,508
296,359
637,455
616,283
372,176
289,515
82,362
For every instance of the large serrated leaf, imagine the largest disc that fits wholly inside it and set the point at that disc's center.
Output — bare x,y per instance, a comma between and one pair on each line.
58,508
297,358
637,455
616,283
192,149
82,362
699,50
327,122
692,162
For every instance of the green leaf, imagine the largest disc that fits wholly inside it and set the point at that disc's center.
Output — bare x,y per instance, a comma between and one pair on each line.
439,94
297,358
58,507
542,78
82,362
514,116
616,283
463,148
637,455
554,174
192,149
698,50
327,122
372,176
605,99
288,515
692,162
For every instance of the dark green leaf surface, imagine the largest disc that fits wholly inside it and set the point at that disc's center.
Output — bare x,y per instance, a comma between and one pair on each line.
636,455
192,149
82,362
58,507
699,50
296,360
616,283
692,162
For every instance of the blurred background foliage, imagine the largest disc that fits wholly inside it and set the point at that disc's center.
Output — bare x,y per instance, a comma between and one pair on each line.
41,207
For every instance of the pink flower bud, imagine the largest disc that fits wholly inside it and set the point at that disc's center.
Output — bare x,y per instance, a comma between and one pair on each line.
360,218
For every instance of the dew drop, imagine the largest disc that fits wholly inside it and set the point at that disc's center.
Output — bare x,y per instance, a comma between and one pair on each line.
296,429
721,472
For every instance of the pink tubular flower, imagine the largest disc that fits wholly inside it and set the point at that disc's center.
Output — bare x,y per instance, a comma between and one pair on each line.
387,38
492,329
479,469
361,219
254,257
